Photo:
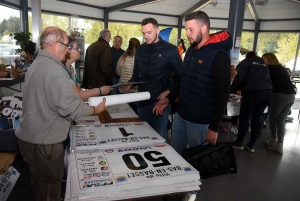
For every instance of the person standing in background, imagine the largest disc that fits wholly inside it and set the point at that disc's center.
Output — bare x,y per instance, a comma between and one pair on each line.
253,79
116,53
72,56
282,101
181,48
98,63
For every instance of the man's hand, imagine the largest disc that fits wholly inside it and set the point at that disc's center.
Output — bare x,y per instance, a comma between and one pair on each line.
125,88
163,95
160,106
106,90
211,137
101,107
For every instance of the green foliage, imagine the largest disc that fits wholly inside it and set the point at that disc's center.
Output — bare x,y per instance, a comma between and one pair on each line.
10,25
22,39
247,40
287,46
126,31
92,30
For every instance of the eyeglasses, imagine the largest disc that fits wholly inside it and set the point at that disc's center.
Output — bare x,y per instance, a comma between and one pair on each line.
73,48
68,46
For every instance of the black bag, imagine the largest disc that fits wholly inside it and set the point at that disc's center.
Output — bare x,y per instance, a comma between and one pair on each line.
211,160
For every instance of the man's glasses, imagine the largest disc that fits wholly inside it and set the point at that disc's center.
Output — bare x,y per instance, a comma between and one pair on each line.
68,46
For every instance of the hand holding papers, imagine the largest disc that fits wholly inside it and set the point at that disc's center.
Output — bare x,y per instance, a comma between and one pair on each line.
126,84
119,99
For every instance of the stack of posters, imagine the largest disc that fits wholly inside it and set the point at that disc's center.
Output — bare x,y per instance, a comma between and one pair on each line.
128,172
113,135
7,182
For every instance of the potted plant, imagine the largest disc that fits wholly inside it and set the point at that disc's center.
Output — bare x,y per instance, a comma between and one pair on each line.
22,40
3,71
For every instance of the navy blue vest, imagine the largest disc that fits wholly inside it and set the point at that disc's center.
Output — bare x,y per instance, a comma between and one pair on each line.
197,96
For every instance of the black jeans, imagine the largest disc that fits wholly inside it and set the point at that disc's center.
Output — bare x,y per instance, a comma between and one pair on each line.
253,105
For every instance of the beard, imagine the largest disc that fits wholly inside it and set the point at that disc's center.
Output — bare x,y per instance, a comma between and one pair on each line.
197,40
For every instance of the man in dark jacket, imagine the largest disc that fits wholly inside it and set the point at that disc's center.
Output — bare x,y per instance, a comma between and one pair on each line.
254,81
155,60
205,83
116,52
98,63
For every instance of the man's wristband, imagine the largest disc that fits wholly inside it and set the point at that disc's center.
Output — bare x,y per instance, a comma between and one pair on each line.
94,110
100,91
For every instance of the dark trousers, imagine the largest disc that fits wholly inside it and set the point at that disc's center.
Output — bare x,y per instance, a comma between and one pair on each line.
253,105
46,165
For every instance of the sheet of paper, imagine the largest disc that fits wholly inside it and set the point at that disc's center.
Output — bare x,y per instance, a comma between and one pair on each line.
119,99
121,111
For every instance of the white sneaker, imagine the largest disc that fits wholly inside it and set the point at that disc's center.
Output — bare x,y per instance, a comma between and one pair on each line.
234,130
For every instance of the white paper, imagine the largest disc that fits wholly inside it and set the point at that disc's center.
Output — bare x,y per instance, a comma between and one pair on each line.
113,135
89,120
119,99
7,182
233,108
121,111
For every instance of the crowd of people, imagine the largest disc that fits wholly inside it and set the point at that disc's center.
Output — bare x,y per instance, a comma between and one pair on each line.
201,83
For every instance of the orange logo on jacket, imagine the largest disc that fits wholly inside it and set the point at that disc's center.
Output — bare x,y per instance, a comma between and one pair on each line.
200,61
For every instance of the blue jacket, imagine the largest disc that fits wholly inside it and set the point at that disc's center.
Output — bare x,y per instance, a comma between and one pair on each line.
198,97
154,65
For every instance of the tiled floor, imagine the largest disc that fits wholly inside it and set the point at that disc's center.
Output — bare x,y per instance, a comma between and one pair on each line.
262,176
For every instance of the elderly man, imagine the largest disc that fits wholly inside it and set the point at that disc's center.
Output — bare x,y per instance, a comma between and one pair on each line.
49,106
98,63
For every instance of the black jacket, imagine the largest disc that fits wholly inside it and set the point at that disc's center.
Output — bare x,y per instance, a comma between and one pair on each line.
252,74
154,65
280,80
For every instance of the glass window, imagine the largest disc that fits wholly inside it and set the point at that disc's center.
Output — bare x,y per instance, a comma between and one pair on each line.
283,45
9,23
126,31
90,29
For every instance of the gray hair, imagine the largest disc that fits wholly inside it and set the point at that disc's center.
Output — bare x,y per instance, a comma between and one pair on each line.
104,33
51,34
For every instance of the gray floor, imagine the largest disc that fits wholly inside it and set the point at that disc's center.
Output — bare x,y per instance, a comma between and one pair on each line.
262,176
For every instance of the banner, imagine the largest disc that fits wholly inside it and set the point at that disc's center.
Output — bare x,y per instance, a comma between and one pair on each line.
165,34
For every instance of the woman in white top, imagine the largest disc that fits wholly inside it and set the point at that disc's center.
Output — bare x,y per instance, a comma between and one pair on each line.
125,64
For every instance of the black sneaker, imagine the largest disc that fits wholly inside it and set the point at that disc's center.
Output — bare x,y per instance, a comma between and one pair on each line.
251,149
237,146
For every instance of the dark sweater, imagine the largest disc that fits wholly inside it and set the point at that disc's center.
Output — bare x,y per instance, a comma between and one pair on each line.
280,80
116,54
154,65
204,89
252,74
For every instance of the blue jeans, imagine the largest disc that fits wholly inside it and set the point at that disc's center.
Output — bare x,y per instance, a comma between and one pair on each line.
158,123
186,133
